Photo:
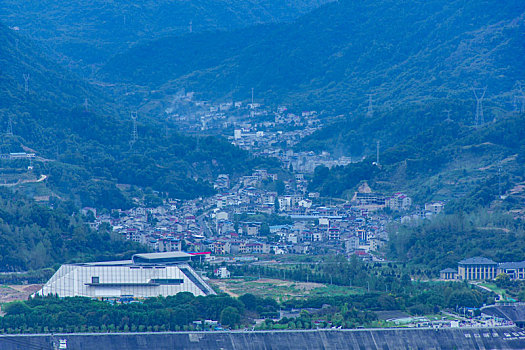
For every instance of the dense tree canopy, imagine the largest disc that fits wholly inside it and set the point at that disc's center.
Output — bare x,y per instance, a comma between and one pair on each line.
33,236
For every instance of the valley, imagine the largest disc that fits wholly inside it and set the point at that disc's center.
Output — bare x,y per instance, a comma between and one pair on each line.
321,165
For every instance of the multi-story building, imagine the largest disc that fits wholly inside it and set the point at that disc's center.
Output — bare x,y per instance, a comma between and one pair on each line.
477,268
515,270
448,274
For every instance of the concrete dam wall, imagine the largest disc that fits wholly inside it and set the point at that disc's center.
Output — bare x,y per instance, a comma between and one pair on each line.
384,339
514,313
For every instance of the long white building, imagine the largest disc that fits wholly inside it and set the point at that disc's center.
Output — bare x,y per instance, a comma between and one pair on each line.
145,276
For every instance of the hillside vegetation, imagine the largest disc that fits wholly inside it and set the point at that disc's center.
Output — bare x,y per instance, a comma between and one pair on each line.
35,237
330,58
442,242
90,32
446,160
87,151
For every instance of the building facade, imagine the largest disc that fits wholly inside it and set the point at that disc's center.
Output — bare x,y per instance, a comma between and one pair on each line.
515,270
145,276
477,269
448,274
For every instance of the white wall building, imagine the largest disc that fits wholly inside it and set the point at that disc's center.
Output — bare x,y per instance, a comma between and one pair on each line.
145,276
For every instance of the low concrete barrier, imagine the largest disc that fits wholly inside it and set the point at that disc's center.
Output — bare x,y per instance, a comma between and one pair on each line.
384,339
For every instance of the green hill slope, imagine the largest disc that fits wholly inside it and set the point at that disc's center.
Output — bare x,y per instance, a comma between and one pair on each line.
35,237
89,32
329,59
86,152
447,160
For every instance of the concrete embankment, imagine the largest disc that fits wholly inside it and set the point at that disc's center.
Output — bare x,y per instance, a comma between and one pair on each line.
384,339
513,312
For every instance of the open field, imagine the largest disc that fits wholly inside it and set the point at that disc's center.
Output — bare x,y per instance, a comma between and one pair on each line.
280,289
494,288
10,293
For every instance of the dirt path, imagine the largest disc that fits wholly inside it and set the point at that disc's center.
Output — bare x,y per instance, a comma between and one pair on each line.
223,287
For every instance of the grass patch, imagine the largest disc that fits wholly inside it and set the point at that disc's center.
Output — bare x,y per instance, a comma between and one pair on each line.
494,288
282,290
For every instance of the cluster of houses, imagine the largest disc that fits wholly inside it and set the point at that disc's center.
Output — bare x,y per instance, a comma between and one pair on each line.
250,119
237,220
270,144
353,227
256,128
167,228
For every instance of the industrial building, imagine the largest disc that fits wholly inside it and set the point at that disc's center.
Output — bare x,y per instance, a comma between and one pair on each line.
144,276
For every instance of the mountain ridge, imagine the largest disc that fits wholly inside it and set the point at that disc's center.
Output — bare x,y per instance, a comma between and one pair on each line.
89,149
68,28
333,56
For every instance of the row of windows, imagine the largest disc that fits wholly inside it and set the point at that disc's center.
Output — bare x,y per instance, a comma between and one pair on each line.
167,280
96,280
480,273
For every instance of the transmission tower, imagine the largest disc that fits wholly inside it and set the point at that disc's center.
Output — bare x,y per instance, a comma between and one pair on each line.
252,97
499,181
86,104
191,26
10,126
370,111
26,85
515,104
448,115
134,134
479,93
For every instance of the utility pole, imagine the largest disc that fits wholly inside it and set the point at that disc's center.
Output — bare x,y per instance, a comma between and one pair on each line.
499,181
377,152
252,109
191,26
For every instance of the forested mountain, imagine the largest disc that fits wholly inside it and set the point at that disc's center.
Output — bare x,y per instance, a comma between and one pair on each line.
89,32
442,242
35,237
400,51
445,160
87,151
